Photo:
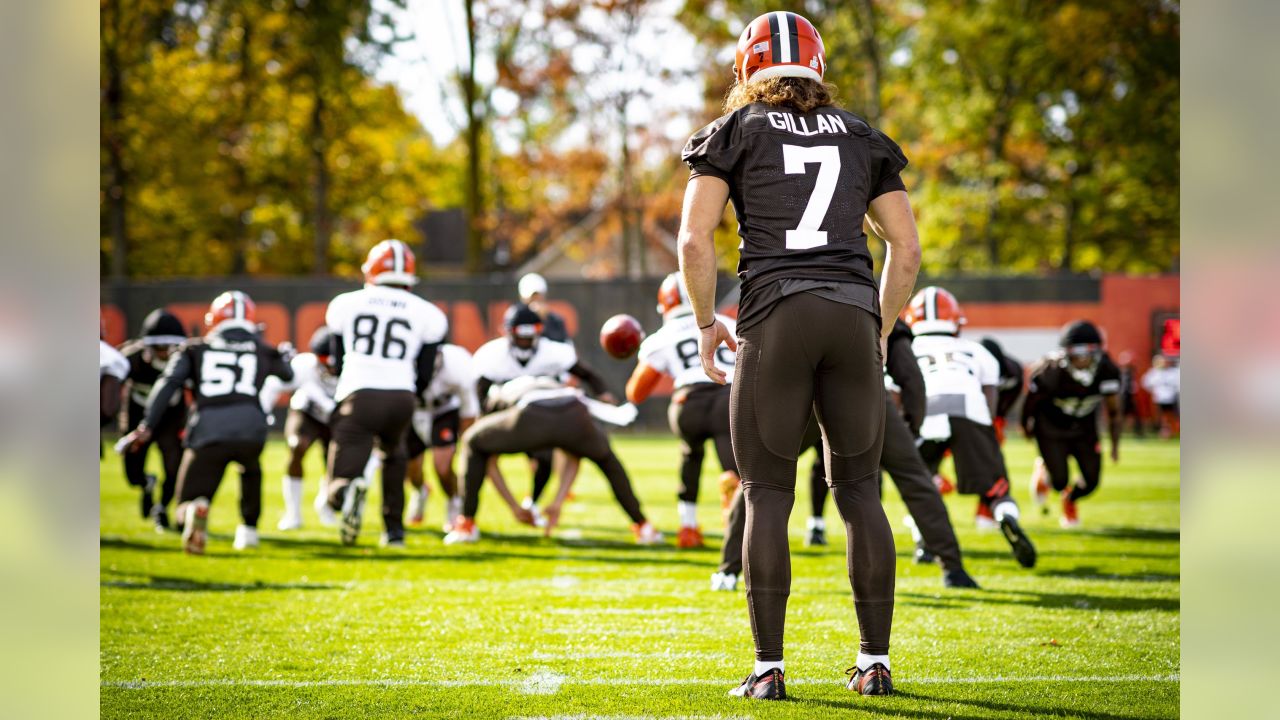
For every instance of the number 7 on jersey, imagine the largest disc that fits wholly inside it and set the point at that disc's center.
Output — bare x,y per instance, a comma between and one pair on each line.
795,158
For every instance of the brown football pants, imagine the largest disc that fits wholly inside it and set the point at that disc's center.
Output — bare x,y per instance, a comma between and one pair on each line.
699,413
812,355
361,418
202,469
545,425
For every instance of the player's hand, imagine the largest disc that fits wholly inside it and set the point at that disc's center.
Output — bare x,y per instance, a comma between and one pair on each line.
607,397
884,349
138,438
551,514
710,339
523,515
286,350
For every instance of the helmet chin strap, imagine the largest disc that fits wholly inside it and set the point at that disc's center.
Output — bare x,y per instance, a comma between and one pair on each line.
523,354
1084,375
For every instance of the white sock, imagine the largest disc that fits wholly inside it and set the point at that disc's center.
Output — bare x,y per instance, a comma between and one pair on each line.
688,514
764,667
1006,508
910,522
865,661
816,523
291,489
375,463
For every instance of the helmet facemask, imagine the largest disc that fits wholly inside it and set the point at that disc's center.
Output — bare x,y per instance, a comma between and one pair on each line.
524,340
1082,362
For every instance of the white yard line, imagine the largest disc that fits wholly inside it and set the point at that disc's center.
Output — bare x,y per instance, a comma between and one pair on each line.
539,682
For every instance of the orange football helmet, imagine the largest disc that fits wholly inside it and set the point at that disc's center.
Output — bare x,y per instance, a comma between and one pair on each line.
934,311
232,306
671,294
390,262
780,44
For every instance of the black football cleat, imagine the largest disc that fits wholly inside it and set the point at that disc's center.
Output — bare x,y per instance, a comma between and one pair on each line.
147,497
1023,551
769,686
923,556
958,578
875,680
816,537
160,517
353,511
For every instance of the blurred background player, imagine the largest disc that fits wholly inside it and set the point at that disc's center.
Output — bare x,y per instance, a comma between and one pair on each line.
1012,382
699,409
113,368
527,409
1061,413
148,355
532,289
1164,382
1129,409
448,407
225,371
533,292
311,408
386,354
961,378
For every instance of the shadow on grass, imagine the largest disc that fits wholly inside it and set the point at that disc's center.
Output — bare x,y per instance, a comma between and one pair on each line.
164,543
1093,572
1129,533
1055,553
1052,601
178,584
893,706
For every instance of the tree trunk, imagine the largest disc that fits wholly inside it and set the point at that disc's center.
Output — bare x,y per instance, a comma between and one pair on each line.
117,184
475,203
323,221
240,248
871,49
624,184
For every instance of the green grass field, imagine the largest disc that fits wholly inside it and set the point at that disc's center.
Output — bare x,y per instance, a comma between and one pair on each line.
589,625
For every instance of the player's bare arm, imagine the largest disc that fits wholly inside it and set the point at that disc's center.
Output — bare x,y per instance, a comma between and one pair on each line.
1115,419
704,201
890,218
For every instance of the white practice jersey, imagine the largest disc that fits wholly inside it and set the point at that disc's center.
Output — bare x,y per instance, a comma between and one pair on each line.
673,350
495,362
111,362
454,384
955,371
382,330
313,386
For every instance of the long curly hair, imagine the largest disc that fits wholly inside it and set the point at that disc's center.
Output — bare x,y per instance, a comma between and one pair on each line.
801,94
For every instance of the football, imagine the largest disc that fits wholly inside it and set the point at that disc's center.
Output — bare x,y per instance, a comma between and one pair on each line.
620,336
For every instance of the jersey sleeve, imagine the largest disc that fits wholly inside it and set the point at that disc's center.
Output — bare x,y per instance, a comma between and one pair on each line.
335,316
714,149
464,377
651,353
988,366
485,360
886,164
1108,377
435,326
565,356
111,362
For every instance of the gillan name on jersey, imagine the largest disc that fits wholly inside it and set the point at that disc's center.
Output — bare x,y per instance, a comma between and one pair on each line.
830,124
